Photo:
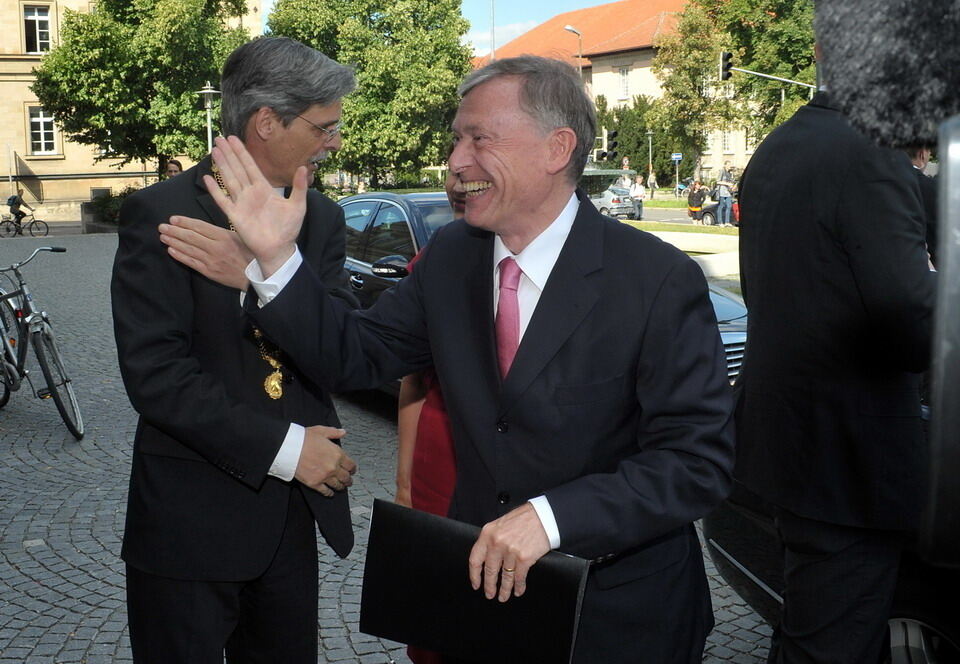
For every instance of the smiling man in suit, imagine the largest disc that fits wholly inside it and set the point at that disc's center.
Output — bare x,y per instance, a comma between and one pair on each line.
580,361
232,463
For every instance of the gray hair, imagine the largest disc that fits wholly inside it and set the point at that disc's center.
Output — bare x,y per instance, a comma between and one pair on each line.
552,94
281,74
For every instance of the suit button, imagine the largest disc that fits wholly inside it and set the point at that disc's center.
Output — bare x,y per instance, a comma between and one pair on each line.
502,426
503,497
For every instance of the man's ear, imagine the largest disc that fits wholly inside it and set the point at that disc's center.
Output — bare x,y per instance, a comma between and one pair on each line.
264,122
561,144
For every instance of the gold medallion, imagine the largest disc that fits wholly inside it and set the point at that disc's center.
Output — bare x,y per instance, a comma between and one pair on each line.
273,386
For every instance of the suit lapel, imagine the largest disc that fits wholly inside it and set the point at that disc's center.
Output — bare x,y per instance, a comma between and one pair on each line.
566,300
479,302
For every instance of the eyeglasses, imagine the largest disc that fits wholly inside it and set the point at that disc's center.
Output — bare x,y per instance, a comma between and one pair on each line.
330,132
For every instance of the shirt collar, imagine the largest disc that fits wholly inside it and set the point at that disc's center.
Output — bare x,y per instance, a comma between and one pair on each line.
539,257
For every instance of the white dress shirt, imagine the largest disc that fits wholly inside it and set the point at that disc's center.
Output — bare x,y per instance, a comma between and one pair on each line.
536,262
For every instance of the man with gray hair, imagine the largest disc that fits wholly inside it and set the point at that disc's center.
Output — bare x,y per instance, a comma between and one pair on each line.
580,361
235,456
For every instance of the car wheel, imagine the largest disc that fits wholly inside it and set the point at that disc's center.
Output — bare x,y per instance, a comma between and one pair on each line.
708,219
916,642
605,212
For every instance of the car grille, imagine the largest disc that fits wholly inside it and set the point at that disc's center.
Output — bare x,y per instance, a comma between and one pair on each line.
734,353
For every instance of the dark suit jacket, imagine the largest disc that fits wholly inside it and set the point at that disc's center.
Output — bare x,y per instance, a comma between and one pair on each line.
835,278
928,194
201,503
617,406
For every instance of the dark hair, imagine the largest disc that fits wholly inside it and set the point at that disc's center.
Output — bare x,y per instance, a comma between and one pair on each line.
552,94
175,161
281,74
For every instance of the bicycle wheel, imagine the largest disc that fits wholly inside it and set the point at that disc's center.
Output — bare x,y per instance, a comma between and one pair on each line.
8,229
8,325
59,385
38,228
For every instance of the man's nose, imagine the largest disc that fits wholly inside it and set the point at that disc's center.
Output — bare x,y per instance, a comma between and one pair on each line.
460,156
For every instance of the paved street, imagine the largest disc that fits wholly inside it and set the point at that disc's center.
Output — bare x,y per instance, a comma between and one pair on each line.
62,502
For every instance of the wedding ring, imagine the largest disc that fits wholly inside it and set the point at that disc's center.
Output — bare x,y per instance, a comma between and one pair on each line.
510,570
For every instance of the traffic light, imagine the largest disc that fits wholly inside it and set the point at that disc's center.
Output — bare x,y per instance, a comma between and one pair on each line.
610,149
726,62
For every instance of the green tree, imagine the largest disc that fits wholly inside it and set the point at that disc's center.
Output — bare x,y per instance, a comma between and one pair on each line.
768,36
409,61
124,78
772,37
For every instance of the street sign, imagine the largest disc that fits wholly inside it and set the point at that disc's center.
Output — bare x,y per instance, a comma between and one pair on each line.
677,156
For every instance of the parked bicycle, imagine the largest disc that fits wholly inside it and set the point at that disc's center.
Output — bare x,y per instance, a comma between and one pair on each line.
10,227
23,323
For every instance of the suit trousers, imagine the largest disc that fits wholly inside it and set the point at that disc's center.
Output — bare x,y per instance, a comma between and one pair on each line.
269,619
838,591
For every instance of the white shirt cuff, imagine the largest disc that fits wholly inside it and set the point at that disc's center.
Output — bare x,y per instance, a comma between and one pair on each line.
267,289
285,465
547,520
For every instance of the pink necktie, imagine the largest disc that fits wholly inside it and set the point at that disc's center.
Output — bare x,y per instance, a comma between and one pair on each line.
508,314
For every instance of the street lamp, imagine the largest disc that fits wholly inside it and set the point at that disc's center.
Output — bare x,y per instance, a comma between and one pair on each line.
208,93
649,151
570,28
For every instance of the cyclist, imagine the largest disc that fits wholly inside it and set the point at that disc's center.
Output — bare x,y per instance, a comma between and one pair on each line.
15,202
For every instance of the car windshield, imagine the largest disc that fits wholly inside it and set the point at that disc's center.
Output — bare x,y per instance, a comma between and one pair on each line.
435,214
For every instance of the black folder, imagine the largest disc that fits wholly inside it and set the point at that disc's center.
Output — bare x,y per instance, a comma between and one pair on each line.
416,590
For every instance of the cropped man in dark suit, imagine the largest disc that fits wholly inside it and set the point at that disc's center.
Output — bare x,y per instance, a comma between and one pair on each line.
233,462
609,433
920,157
835,276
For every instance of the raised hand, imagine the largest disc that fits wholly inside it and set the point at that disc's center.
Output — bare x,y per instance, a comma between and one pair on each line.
267,222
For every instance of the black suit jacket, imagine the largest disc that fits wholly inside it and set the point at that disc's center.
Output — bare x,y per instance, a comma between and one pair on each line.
835,277
617,406
201,502
928,194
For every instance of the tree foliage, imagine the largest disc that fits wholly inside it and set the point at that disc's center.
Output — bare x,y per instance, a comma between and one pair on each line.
409,61
124,78
632,122
769,36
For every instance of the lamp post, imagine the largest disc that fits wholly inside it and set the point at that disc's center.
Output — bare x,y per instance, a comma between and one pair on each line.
649,151
570,28
208,92
493,37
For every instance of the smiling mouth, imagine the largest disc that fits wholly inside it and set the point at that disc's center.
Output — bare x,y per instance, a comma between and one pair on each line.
475,187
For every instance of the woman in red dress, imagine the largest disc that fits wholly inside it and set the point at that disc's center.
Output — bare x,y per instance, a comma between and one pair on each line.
426,464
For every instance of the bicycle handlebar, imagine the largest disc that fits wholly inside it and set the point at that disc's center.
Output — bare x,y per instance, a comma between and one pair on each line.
16,266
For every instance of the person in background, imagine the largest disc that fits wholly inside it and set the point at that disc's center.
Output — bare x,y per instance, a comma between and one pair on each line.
829,431
725,186
695,199
426,461
16,202
652,184
920,157
639,194
174,167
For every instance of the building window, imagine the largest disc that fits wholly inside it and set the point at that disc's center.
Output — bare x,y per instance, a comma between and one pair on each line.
36,29
42,133
725,142
624,82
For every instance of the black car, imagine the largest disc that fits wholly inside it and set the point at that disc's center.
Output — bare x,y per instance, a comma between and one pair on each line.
924,624
385,230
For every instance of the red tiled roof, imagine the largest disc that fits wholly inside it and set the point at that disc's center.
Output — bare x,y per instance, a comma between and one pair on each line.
617,26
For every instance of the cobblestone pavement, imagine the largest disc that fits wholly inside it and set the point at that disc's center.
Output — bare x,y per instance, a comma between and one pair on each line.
62,502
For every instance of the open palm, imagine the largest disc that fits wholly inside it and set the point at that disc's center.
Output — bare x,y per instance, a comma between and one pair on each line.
267,222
